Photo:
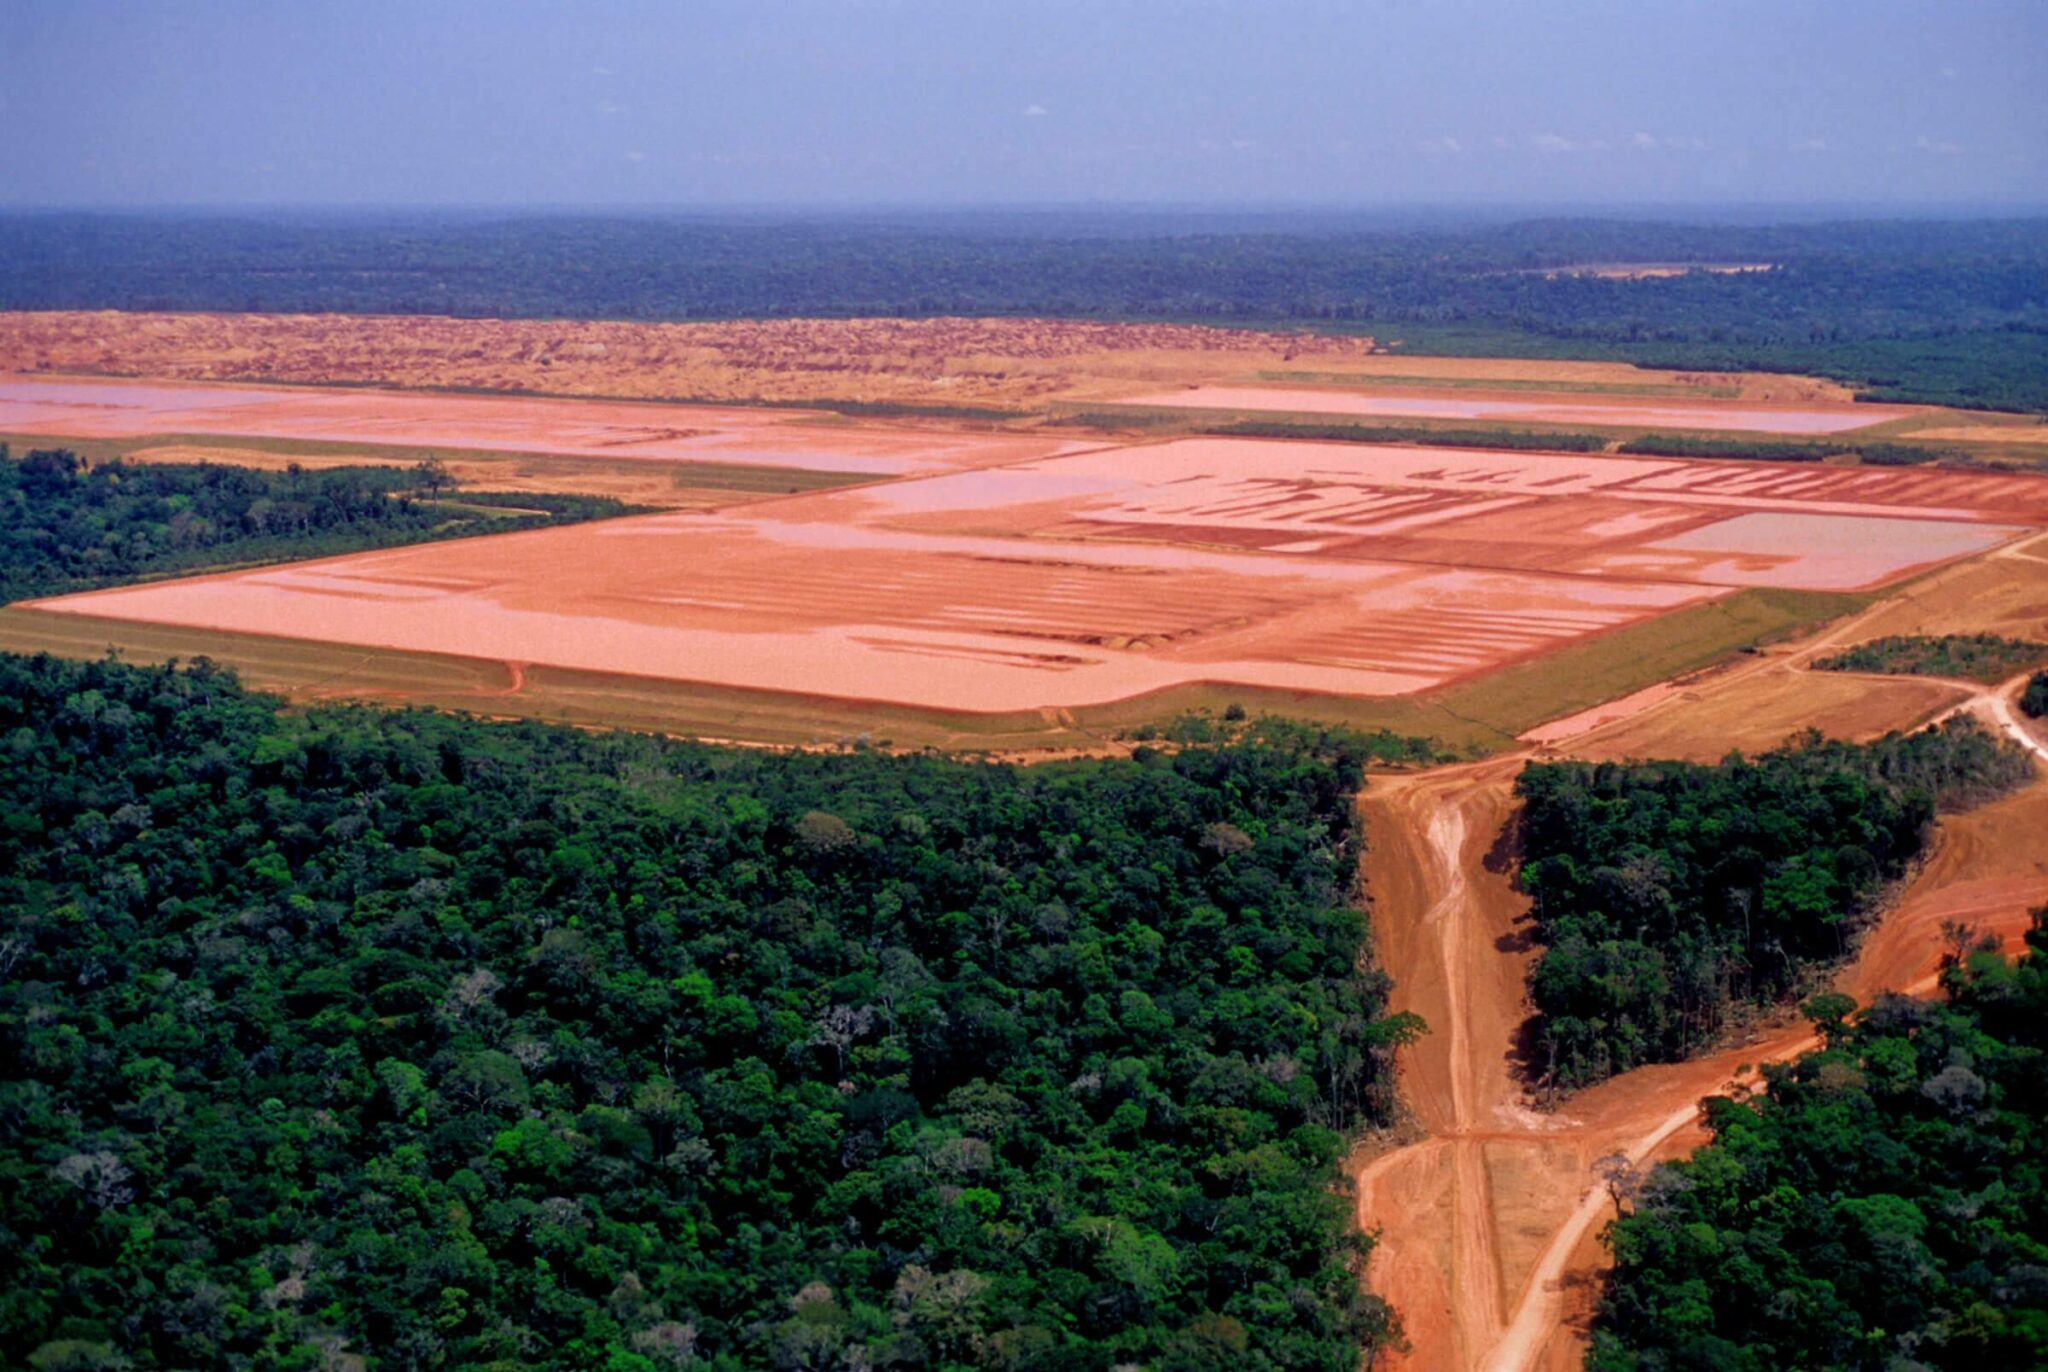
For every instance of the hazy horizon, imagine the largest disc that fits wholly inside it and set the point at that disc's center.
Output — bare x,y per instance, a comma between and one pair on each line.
905,105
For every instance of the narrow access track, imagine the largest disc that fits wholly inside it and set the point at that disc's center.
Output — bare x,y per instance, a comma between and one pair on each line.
1488,1225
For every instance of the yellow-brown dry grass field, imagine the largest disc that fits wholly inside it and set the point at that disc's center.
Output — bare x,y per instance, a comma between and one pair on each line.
2004,592
1757,704
2032,435
1760,712
1001,363
1394,366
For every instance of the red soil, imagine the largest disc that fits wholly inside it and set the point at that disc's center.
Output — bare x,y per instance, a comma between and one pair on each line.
950,622
586,428
1044,580
1488,1227
1712,523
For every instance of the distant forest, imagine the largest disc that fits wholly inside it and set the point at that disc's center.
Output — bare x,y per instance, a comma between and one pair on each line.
1952,312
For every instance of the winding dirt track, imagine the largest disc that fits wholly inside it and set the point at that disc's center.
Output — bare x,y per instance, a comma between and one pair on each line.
1488,1226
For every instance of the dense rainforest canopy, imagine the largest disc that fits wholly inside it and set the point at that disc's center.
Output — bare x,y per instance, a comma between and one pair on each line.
1668,893
445,1043
66,526
1952,312
1882,1206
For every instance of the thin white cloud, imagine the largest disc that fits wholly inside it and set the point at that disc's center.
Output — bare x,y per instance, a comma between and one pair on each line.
635,155
611,107
1810,145
1947,73
602,71
1035,111
1639,139
1446,144
1557,143
1940,147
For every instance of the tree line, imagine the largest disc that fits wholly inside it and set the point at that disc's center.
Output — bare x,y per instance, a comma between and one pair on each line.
69,526
1976,657
1777,450
1669,896
1882,1204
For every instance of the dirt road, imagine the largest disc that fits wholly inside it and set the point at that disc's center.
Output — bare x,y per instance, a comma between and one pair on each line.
1488,1226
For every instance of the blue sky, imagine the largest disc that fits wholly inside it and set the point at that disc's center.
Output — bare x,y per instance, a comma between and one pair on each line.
826,102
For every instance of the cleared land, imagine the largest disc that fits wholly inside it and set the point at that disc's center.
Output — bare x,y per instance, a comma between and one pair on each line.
1489,1224
949,363
1022,577
1752,716
958,623
609,430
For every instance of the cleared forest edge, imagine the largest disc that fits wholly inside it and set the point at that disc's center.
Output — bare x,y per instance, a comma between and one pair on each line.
1489,1224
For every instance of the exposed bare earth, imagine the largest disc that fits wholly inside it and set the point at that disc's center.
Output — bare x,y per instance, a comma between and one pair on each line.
1028,573
602,429
1757,713
1489,1226
1003,362
793,600
984,362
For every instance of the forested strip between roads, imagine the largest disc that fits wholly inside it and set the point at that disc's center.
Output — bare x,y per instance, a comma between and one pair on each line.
1670,896
1881,1204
